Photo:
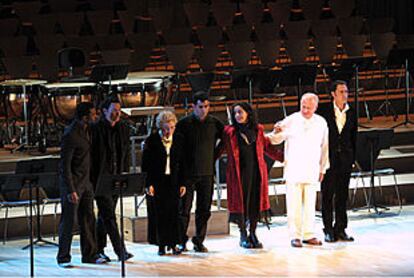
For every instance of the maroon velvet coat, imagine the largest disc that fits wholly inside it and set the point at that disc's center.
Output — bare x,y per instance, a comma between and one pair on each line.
233,178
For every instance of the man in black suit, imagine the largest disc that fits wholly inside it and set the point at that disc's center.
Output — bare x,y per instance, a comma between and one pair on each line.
193,153
343,127
110,155
76,190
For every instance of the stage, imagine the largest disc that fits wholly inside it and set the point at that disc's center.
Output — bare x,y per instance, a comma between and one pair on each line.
383,247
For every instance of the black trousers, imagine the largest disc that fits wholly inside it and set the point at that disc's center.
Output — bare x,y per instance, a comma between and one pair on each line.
107,225
203,186
335,191
86,221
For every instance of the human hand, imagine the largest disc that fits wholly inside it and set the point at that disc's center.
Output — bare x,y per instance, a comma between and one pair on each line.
151,191
321,176
73,197
278,127
182,191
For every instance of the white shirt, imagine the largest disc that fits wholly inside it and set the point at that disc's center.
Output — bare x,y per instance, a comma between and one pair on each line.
306,147
340,116
167,142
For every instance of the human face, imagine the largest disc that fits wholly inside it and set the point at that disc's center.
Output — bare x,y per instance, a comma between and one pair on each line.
93,116
201,109
113,113
308,107
340,95
167,129
240,114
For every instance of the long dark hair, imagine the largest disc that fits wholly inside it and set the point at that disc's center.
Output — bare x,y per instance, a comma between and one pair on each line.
251,115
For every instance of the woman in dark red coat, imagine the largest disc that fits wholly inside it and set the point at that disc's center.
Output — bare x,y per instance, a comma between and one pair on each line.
246,174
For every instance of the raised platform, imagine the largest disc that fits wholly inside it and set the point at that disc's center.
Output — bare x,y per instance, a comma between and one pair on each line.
136,227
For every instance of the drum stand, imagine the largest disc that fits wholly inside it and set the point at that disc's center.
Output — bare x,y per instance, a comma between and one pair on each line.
25,141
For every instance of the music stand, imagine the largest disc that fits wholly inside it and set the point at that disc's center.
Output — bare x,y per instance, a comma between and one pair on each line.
108,72
15,183
404,57
121,185
369,145
246,78
48,167
298,75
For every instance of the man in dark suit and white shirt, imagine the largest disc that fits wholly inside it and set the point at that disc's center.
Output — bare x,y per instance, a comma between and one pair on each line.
342,124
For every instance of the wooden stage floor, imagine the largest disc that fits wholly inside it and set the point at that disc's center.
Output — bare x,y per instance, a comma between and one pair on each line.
383,247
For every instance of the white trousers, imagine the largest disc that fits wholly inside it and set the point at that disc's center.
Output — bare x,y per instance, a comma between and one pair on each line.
300,205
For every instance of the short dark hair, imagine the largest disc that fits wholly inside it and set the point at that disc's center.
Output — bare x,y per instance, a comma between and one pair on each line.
251,118
108,100
335,84
200,96
83,109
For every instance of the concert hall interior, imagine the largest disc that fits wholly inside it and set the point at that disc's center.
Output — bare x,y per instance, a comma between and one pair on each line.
152,56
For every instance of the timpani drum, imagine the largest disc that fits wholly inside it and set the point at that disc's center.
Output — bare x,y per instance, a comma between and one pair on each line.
65,96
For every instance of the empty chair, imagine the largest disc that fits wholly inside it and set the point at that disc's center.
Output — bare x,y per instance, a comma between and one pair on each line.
197,13
351,25
180,56
297,50
324,27
252,12
267,31
297,29
223,12
177,35
71,23
240,53
312,9
127,20
354,44
49,44
210,36
382,44
100,21
239,32
268,51
342,8
280,11
326,48
381,25
207,57
45,24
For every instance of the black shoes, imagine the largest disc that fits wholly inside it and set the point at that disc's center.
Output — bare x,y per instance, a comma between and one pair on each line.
256,244
330,237
296,243
161,250
199,247
344,237
65,264
126,256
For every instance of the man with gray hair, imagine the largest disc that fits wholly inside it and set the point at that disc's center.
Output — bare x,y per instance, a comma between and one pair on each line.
306,160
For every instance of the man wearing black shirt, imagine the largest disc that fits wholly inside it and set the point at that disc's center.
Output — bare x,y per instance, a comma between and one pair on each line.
193,155
110,155
76,189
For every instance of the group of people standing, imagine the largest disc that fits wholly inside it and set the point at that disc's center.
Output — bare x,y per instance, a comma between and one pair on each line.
179,157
